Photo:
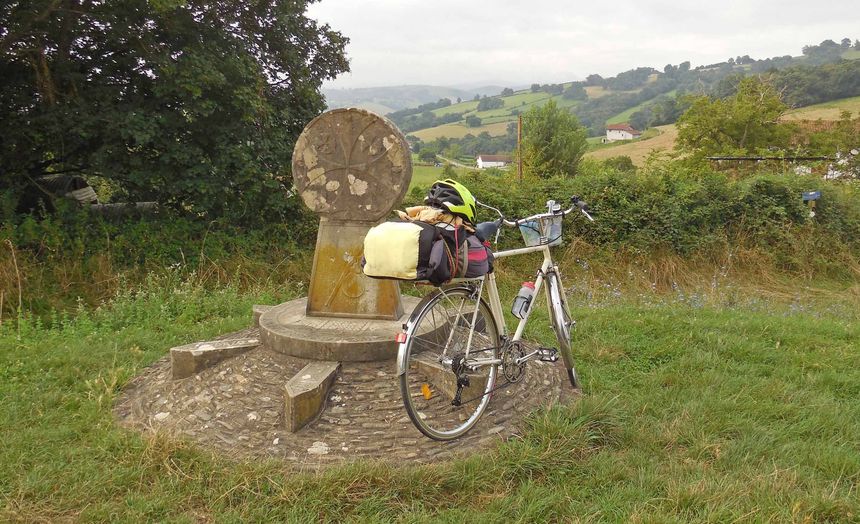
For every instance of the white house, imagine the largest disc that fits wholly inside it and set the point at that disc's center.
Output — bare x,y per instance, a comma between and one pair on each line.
620,132
485,161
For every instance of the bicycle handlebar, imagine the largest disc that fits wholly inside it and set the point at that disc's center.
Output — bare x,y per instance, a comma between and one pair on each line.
575,203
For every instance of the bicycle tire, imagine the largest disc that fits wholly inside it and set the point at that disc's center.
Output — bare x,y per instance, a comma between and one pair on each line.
444,319
561,324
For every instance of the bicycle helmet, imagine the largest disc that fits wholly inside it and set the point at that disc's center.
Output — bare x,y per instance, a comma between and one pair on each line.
454,197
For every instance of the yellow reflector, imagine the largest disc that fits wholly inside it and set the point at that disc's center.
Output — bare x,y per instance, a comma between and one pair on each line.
425,390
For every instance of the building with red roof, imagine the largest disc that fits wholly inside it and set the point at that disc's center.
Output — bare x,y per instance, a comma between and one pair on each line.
623,131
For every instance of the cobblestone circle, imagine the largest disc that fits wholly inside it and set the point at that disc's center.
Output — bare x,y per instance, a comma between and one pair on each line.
236,407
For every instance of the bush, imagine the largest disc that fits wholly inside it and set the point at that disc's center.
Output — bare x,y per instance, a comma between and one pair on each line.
55,262
682,210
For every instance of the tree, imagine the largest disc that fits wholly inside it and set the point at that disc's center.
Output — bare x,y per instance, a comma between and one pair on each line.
622,164
740,124
427,155
507,91
535,88
194,104
575,91
473,121
490,103
553,141
594,80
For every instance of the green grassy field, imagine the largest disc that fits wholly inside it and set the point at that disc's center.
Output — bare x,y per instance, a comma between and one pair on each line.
459,131
492,119
424,175
742,409
826,111
462,107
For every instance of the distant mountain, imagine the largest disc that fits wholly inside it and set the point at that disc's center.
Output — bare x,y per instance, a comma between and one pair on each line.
393,98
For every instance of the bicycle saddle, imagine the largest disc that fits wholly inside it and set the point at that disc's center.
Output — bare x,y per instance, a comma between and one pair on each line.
487,230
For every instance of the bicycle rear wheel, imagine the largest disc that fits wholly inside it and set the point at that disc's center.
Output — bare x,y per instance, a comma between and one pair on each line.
561,323
448,363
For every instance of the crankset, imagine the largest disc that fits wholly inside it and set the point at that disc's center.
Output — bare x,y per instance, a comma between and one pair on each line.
513,364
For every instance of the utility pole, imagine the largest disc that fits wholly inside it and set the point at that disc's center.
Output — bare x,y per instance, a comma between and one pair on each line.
520,147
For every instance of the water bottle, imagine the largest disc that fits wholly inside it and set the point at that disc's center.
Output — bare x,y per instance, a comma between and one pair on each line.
523,300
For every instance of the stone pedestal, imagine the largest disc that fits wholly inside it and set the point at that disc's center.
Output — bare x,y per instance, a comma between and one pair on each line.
287,329
338,288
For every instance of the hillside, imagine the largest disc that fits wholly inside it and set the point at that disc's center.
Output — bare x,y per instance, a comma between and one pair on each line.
825,111
638,150
384,100
644,96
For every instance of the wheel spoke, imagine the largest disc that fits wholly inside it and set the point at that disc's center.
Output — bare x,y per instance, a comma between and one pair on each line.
436,347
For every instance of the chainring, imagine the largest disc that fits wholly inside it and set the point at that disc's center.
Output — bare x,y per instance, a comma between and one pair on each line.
510,368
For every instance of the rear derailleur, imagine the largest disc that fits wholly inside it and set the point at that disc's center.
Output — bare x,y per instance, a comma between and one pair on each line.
458,366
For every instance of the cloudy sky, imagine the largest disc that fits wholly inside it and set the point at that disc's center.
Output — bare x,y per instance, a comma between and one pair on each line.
510,42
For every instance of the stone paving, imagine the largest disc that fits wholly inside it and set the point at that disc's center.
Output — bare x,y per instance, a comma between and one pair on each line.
236,407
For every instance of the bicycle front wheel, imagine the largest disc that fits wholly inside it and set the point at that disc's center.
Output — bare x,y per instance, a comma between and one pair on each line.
448,363
561,323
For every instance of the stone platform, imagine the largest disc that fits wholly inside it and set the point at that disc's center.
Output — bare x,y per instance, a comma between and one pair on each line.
236,407
287,329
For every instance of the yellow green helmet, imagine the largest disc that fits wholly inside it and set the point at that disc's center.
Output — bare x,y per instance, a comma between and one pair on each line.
453,196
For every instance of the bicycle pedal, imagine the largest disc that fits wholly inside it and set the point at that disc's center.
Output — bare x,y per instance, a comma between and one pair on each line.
548,354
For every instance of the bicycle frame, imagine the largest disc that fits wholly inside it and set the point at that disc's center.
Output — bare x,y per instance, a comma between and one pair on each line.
495,303
493,291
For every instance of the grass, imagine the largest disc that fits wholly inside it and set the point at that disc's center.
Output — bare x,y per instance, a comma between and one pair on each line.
826,111
424,175
459,131
492,118
596,142
853,54
694,410
462,107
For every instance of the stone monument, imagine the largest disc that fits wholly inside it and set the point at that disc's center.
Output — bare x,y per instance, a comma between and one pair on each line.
352,167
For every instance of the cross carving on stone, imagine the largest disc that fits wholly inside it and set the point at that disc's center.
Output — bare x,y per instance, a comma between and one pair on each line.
352,167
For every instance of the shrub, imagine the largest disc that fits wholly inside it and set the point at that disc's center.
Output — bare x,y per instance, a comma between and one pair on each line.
673,207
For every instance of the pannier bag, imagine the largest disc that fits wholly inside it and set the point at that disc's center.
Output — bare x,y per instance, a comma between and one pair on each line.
404,251
421,251
479,258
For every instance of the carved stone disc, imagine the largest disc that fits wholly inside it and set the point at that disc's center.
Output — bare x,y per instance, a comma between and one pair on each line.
351,164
